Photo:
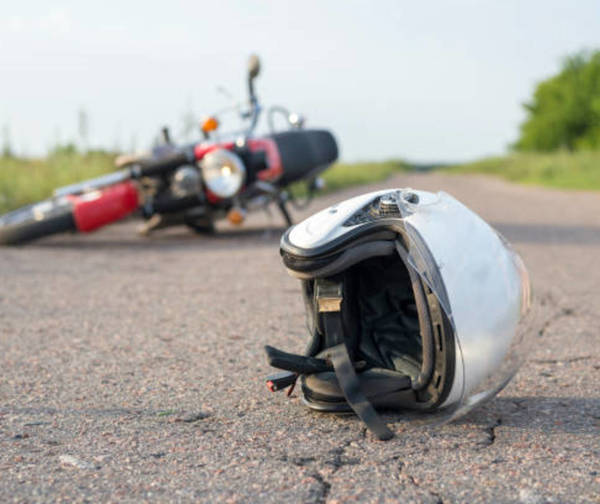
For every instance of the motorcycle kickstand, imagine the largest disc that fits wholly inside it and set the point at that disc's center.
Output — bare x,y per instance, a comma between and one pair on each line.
281,203
153,223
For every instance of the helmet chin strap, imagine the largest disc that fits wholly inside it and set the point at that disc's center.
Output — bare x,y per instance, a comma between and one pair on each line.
328,297
328,301
350,385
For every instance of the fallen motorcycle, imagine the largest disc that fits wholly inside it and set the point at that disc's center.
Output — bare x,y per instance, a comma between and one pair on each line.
223,176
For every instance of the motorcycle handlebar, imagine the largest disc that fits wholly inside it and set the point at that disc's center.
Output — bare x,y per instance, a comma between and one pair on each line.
251,89
161,166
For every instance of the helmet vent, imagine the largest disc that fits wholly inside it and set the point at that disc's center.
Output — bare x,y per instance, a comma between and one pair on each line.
438,336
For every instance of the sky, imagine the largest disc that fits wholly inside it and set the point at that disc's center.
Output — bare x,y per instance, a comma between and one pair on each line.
425,81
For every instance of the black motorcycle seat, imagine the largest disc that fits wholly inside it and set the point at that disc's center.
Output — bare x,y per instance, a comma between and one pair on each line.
304,153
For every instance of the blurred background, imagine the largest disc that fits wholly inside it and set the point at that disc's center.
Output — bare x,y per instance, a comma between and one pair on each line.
508,87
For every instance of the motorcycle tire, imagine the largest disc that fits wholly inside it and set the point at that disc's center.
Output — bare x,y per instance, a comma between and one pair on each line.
36,221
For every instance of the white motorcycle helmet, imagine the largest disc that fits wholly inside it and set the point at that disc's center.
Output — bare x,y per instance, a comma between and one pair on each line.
413,302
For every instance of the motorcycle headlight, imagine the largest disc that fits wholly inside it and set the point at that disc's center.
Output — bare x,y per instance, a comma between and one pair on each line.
223,172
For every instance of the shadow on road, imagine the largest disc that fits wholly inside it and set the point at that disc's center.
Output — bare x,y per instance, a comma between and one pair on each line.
546,414
181,238
533,414
167,240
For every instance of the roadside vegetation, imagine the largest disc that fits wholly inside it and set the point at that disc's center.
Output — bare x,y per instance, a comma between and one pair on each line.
24,181
563,169
343,175
558,146
564,112
559,141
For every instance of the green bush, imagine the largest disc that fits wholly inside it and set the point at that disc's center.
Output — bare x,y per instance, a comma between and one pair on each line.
565,110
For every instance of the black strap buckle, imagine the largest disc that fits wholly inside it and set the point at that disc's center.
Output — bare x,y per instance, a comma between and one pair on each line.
279,381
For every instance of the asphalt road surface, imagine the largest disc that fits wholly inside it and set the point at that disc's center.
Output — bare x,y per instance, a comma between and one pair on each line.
133,370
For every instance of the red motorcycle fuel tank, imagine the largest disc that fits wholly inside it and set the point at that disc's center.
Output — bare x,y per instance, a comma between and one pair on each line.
98,208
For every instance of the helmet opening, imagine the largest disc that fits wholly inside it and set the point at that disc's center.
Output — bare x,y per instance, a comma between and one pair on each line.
382,311
379,334
392,325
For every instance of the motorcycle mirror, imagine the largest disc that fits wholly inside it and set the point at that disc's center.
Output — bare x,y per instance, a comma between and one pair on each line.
165,134
253,66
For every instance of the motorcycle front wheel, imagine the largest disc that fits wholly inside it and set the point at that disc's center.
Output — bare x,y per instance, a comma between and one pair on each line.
36,221
201,226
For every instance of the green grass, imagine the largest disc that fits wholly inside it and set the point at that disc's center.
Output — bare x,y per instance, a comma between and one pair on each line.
343,175
24,181
565,170
165,413
351,174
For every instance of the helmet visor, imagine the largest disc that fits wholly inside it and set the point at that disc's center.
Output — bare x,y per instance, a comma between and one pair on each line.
483,287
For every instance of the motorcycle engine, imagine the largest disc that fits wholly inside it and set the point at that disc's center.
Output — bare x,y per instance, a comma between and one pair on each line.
186,182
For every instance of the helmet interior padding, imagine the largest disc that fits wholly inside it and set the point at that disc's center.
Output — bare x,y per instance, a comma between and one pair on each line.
382,331
397,338
383,307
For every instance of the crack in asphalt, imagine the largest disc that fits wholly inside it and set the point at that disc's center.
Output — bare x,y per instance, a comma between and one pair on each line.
520,404
416,484
334,458
490,430
321,495
563,312
339,460
557,315
565,361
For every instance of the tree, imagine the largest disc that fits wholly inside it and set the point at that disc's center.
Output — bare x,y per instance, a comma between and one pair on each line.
565,109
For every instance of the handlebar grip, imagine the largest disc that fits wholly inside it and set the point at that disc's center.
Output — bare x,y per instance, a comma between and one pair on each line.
163,165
